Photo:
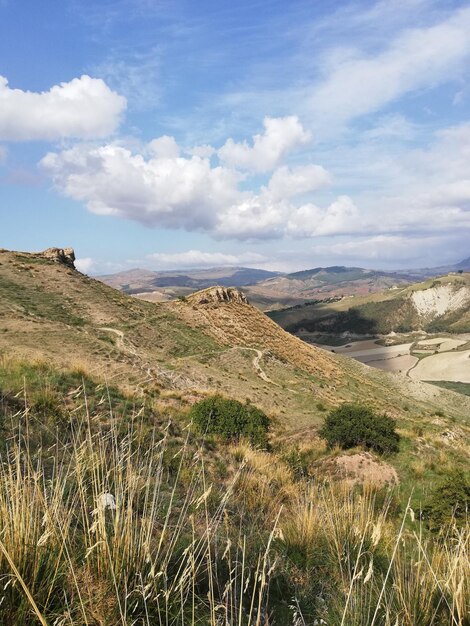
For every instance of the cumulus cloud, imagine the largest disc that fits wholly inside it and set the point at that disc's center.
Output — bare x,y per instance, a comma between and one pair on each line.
339,218
288,182
170,192
281,135
204,151
198,258
83,108
159,187
163,147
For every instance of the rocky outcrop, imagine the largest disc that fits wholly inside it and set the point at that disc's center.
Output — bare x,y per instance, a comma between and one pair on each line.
66,256
218,295
441,299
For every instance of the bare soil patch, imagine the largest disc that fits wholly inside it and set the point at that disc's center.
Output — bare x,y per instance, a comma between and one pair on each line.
361,468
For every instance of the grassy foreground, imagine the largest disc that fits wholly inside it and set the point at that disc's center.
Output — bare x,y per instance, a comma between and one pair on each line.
112,515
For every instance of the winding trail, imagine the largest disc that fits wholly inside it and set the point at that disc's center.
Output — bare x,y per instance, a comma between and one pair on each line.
126,346
256,364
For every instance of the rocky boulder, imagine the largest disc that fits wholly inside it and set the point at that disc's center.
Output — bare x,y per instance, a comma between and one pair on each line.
66,256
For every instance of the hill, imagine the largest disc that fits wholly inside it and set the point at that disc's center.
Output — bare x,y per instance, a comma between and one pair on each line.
211,341
435,305
271,290
321,283
161,286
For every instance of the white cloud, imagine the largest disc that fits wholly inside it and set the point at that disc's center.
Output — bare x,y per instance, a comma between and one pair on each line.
415,59
428,191
290,182
163,147
169,192
395,250
82,108
281,135
339,218
198,258
158,187
85,265
393,126
134,74
204,151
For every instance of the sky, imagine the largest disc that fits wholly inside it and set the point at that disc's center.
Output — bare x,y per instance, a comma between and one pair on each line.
281,135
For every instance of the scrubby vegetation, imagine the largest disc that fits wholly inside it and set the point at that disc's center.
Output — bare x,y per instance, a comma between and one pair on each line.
231,420
353,425
449,503
110,514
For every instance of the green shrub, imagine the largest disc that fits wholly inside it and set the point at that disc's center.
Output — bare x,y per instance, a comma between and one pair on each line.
353,425
448,503
231,420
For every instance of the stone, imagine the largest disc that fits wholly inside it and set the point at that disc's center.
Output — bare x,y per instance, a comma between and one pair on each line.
66,256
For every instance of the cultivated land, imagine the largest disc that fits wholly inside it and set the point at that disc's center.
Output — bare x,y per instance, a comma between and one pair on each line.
113,510
400,318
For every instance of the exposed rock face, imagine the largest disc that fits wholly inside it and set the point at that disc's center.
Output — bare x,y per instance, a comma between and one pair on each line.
439,300
60,255
218,295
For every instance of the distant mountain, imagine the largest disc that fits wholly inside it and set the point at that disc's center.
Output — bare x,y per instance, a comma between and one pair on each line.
428,272
272,290
170,284
321,283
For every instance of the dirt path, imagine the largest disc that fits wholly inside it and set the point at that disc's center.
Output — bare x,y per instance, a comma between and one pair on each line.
256,365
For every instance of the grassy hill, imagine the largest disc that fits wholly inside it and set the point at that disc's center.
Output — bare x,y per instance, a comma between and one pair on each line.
115,511
436,305
50,311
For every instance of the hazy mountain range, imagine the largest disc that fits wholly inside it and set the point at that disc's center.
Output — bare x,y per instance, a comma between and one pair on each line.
271,290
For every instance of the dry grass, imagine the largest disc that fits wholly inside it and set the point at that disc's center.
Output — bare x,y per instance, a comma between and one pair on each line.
109,532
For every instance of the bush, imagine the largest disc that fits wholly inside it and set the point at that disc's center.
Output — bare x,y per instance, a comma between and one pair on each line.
353,425
231,420
448,503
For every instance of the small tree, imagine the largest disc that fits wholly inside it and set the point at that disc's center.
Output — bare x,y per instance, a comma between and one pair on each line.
231,420
353,425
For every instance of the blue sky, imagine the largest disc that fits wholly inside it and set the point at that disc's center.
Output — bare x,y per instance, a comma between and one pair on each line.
169,134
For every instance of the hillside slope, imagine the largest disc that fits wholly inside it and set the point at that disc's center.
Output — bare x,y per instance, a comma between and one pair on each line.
213,341
321,283
436,305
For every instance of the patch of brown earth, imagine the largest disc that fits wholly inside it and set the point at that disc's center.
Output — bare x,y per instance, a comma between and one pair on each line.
361,468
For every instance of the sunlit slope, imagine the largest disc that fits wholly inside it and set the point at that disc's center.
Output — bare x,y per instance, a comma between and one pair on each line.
183,349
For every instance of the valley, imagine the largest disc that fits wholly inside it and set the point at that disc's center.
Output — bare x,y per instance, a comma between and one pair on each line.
428,359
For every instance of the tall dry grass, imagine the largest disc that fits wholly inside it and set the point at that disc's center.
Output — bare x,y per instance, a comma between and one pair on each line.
105,528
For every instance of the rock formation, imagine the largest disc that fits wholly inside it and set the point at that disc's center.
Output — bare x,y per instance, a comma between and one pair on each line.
218,295
60,255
